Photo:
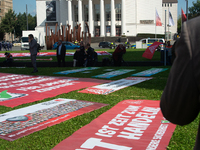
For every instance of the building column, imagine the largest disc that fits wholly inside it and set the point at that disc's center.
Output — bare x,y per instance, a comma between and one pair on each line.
113,29
70,13
123,19
90,17
102,18
80,19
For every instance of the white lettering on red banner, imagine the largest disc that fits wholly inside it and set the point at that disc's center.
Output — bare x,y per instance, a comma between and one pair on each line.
131,124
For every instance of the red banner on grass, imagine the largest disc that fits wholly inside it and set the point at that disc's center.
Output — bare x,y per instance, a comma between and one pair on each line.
130,125
21,122
51,54
150,50
16,89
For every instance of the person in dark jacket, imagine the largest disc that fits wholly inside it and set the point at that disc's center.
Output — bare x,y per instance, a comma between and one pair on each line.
117,54
33,51
180,101
91,56
61,52
79,56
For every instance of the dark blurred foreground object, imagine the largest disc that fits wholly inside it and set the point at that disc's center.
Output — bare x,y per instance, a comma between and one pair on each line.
180,102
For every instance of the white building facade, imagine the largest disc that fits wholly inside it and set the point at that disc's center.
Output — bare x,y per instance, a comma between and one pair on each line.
105,17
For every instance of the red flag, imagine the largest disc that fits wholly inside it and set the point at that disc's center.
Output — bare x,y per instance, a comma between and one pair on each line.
184,18
150,50
158,20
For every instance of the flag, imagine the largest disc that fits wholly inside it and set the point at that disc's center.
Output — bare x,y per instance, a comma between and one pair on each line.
149,52
158,20
184,18
171,21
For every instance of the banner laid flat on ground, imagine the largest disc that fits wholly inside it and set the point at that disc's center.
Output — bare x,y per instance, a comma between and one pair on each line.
130,125
110,87
16,89
76,70
50,54
114,73
24,121
150,72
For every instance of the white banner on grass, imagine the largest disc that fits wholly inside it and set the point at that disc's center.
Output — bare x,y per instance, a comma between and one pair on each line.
76,70
114,86
114,73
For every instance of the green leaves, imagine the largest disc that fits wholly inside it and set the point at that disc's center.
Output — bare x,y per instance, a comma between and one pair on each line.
13,22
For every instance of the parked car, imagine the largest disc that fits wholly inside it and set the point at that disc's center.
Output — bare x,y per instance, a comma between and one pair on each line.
24,43
107,45
16,43
67,44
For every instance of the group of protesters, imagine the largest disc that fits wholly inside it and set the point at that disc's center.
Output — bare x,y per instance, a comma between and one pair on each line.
5,46
85,56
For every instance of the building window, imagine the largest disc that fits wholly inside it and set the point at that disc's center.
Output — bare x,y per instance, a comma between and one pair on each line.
107,29
108,12
170,4
165,4
118,12
76,13
86,12
162,5
97,12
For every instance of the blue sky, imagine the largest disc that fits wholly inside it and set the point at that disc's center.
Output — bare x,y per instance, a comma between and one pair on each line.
20,6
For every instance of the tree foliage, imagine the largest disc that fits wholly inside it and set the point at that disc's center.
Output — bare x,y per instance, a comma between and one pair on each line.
194,11
13,22
179,22
8,22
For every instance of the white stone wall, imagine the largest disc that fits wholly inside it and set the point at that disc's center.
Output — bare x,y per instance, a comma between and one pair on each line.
135,10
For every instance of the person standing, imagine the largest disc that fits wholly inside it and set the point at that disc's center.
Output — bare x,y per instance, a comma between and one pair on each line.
0,46
180,101
33,51
61,52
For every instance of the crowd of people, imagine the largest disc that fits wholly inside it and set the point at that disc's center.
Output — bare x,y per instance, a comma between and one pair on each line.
6,46
85,56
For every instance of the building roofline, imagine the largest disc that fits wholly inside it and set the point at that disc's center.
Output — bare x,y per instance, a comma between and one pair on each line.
169,1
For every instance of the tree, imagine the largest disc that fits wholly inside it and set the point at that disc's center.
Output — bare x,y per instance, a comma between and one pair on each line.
31,22
194,11
8,22
179,22
20,24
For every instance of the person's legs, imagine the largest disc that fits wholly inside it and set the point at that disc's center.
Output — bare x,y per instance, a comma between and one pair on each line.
33,60
63,61
59,60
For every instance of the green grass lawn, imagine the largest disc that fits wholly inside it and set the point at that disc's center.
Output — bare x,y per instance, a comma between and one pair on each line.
182,139
131,55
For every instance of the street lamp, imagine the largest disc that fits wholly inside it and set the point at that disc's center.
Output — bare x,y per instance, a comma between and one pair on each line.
187,8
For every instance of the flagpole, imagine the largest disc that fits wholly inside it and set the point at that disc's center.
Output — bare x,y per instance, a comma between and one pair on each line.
181,19
168,25
155,26
187,8
165,45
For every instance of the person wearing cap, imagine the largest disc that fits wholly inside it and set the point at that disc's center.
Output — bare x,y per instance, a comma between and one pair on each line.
9,59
